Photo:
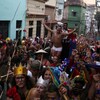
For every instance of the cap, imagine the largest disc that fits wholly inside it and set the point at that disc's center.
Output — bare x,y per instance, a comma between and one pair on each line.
35,64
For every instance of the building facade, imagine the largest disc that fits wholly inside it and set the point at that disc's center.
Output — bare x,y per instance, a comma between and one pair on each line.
90,19
74,15
59,10
34,18
50,10
12,18
50,7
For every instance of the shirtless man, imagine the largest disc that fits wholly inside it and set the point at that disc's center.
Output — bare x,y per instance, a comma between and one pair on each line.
57,37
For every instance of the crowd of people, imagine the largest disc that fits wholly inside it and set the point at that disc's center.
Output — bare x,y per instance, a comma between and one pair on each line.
64,66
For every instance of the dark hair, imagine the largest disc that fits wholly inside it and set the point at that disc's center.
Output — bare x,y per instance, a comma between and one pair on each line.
66,26
80,80
43,71
29,85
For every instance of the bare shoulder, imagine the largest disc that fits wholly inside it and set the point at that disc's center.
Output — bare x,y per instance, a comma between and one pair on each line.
32,93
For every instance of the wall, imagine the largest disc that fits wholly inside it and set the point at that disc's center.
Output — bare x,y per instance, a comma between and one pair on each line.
35,12
12,10
51,3
50,11
78,20
35,7
59,7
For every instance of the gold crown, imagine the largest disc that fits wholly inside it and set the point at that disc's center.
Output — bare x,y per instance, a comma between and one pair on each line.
20,70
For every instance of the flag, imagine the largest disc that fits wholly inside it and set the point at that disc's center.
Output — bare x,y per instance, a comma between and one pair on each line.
55,76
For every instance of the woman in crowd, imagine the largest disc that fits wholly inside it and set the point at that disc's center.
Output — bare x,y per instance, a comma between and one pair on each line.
21,84
38,92
46,74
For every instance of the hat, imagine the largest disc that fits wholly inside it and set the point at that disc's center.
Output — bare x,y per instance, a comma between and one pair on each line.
42,82
8,39
20,70
41,51
35,64
60,23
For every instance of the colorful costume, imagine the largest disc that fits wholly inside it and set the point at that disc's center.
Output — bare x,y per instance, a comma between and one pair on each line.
12,93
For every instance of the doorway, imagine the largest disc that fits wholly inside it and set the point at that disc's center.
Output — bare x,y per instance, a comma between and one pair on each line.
38,29
4,29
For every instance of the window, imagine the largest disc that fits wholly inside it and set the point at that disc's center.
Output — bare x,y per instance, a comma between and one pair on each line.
74,13
30,32
4,29
30,23
18,34
59,11
18,24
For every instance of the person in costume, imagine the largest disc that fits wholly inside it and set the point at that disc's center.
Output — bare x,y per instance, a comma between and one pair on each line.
38,92
55,61
34,66
78,91
21,84
43,57
52,93
57,37
94,90
68,42
80,83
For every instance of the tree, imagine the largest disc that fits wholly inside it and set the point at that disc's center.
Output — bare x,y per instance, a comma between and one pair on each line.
97,17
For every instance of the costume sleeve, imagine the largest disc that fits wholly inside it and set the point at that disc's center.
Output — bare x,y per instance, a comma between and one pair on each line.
12,93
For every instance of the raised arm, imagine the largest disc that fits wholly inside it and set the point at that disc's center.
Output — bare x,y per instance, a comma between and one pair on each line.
48,28
67,33
71,31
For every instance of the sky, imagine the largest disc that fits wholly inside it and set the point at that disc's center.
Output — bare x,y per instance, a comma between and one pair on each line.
89,1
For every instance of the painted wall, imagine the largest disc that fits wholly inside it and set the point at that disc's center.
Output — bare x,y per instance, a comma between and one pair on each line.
35,7
12,10
78,20
51,2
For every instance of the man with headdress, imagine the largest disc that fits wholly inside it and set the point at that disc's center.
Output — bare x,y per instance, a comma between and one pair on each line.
57,37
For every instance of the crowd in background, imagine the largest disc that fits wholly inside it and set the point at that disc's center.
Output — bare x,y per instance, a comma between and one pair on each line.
80,59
